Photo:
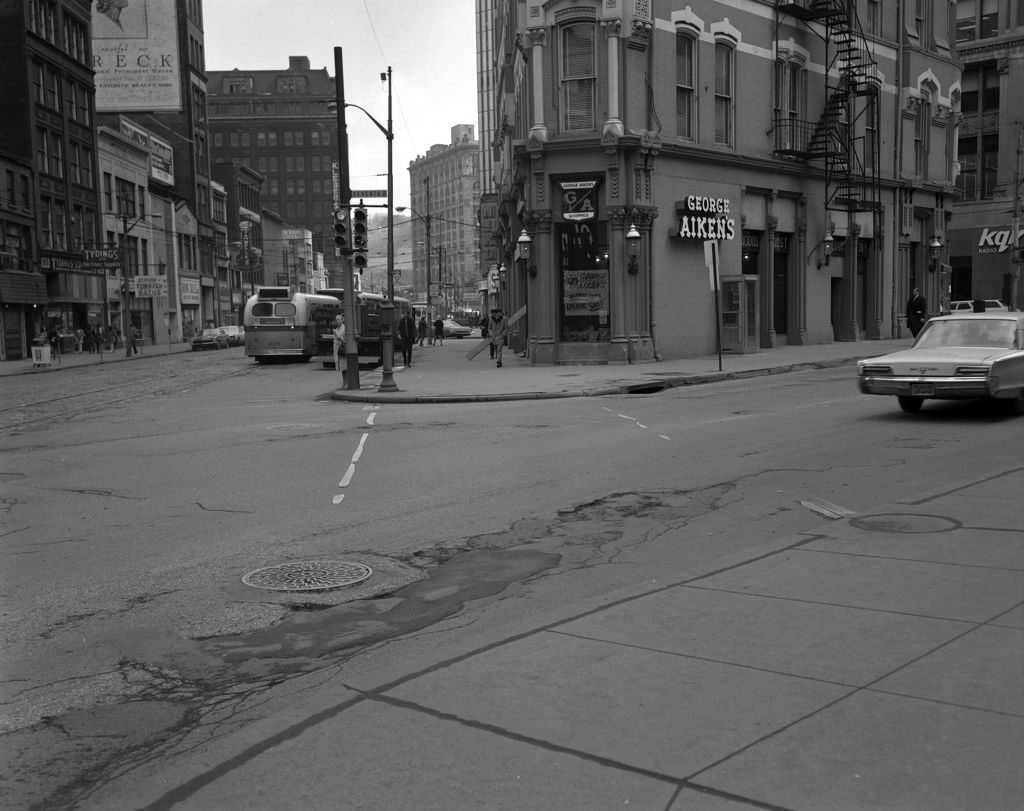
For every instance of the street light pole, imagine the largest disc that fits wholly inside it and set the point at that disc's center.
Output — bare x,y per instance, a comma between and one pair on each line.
387,381
430,313
344,199
126,319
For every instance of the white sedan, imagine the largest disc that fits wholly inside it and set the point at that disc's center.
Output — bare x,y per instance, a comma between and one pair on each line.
453,329
955,357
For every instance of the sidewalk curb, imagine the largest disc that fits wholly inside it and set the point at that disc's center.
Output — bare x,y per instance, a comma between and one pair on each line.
645,387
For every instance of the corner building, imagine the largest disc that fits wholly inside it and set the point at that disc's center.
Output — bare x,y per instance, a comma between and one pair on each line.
812,142
986,225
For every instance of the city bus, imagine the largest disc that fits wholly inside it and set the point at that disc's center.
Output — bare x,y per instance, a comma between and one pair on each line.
368,319
283,324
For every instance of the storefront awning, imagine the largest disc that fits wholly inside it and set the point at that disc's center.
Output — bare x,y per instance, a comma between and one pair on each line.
22,288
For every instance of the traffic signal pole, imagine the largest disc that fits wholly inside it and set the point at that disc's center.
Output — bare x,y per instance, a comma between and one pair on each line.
345,195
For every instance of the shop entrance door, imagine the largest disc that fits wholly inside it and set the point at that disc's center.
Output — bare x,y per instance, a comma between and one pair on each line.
739,314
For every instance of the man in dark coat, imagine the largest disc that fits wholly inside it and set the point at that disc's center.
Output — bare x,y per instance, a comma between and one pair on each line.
407,336
917,312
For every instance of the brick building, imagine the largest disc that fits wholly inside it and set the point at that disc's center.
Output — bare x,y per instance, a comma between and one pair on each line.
50,213
813,142
277,123
986,219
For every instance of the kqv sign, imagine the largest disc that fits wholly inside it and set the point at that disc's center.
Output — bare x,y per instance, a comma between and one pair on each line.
997,241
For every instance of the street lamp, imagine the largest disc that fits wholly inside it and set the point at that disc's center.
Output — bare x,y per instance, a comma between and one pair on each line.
387,381
429,253
525,242
935,251
633,250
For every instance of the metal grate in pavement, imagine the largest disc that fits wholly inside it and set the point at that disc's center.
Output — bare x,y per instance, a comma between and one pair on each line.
308,575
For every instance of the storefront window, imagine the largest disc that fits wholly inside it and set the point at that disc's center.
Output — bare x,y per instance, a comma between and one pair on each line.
584,264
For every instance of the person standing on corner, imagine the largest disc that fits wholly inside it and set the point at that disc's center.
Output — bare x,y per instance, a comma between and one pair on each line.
338,334
497,326
422,329
917,312
407,335
439,332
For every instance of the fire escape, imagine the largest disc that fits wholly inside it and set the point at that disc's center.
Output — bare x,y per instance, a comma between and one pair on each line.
846,136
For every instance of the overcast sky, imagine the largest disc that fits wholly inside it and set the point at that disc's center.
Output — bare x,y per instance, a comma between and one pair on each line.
429,44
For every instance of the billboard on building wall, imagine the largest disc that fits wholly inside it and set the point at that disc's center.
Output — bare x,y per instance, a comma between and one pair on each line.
135,55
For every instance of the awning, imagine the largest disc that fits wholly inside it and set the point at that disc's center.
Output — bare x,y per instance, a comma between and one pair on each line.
22,288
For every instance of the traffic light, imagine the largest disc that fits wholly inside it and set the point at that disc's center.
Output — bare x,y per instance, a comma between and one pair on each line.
342,230
359,238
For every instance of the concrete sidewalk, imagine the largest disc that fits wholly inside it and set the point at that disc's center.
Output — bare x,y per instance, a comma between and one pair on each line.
874,663
442,374
75,360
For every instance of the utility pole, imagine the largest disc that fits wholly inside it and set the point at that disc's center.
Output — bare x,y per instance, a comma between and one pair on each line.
387,381
126,317
430,313
345,198
1017,255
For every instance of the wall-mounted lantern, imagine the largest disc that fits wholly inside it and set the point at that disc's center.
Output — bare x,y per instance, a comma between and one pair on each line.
633,249
827,244
934,252
525,241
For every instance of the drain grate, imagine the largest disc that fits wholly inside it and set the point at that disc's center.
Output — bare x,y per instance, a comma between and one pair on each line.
905,523
308,575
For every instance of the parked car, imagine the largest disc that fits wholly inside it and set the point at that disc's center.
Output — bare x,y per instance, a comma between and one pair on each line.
955,357
210,338
453,329
991,304
236,335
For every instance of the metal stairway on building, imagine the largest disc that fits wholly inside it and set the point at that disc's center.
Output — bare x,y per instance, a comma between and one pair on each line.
846,135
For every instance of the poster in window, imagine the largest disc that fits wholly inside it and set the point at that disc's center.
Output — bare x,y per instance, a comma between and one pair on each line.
585,292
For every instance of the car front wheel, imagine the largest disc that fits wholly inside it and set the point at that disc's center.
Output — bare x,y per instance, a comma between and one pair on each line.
1013,407
911,405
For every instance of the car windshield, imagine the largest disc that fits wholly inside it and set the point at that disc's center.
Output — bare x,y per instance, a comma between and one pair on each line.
967,332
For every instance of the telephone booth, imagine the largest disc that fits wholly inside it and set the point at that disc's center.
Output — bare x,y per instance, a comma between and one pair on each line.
740,314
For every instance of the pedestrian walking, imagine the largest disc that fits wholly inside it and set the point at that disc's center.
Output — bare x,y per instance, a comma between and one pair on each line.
422,329
917,309
407,335
136,338
439,332
485,332
79,340
338,336
497,326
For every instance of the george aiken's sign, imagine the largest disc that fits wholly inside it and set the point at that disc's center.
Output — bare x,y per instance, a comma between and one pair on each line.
706,218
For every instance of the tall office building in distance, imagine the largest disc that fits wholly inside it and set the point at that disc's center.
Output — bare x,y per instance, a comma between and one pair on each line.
445,189
277,123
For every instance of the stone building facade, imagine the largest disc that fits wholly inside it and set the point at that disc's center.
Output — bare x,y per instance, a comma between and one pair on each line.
801,152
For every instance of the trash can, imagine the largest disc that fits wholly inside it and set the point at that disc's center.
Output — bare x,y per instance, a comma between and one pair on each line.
41,355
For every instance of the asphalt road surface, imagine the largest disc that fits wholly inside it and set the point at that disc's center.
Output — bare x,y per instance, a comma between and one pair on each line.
137,496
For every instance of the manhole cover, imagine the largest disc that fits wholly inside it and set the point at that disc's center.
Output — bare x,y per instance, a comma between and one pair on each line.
309,575
905,523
